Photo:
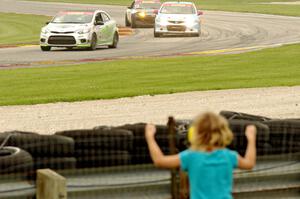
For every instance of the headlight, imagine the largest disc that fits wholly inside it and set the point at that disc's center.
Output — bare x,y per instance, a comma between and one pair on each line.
191,22
142,14
45,30
84,31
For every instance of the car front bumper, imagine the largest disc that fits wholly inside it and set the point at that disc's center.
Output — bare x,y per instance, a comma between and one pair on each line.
171,28
65,40
145,20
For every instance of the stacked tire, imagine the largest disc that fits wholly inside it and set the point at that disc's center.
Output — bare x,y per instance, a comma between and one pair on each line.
285,136
240,142
15,163
101,147
140,152
48,151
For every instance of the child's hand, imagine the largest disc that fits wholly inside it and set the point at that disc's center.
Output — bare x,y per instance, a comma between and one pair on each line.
150,131
251,133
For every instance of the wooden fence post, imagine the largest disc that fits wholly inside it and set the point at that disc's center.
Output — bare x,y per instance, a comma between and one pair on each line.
50,185
173,150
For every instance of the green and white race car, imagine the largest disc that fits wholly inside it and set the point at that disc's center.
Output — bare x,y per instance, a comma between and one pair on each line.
88,29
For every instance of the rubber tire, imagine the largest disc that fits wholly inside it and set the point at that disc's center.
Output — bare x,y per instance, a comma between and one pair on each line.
45,48
41,145
115,41
138,131
127,23
196,35
243,116
15,161
104,159
239,143
101,138
141,155
93,45
58,163
133,22
285,135
156,35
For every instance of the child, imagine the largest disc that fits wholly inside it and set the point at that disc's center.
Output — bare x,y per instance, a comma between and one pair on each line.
208,163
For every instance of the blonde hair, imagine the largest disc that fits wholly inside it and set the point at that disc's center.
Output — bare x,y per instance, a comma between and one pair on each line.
210,131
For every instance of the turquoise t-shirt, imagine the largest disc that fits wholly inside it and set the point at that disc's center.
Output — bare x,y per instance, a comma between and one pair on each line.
210,173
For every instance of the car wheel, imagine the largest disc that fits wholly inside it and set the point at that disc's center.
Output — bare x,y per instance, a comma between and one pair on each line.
115,41
127,23
133,22
93,45
156,34
45,48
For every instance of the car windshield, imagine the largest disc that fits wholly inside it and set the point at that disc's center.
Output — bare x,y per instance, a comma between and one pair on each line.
148,5
178,9
73,17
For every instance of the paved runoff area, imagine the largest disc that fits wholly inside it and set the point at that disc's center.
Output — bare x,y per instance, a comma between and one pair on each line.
278,102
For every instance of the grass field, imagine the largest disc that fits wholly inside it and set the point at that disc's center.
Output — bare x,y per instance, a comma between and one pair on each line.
226,5
20,28
105,80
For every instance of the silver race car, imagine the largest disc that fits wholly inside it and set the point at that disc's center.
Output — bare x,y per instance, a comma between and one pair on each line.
87,29
178,18
142,13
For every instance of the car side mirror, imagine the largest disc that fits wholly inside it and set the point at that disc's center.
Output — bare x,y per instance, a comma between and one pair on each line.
155,12
47,22
129,7
99,23
199,13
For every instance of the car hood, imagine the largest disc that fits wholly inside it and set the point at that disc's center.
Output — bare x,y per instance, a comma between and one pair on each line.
66,27
148,11
177,17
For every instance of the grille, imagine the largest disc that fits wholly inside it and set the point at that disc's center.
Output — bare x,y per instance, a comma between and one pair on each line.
61,40
55,32
176,28
176,22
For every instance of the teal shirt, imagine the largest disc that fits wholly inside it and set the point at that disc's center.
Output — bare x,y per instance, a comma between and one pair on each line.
210,173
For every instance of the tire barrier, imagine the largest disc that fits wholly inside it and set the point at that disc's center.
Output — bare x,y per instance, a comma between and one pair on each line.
230,115
101,138
105,146
239,143
140,153
59,163
109,158
102,146
284,136
16,162
40,145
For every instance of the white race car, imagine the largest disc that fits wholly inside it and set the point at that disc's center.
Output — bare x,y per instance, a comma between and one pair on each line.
87,29
178,18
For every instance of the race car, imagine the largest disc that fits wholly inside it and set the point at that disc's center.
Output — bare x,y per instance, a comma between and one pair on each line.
178,18
88,29
142,13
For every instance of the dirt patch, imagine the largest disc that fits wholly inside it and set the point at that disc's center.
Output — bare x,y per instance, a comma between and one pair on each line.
272,102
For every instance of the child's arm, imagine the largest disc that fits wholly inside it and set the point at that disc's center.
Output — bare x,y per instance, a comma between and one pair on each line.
159,159
249,161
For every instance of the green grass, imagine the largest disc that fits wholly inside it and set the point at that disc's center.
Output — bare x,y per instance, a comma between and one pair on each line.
20,28
115,79
226,5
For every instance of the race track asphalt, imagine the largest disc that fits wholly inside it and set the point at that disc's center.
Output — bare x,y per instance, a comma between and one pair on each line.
221,32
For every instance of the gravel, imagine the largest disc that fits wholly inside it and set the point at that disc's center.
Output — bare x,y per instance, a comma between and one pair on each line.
279,102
